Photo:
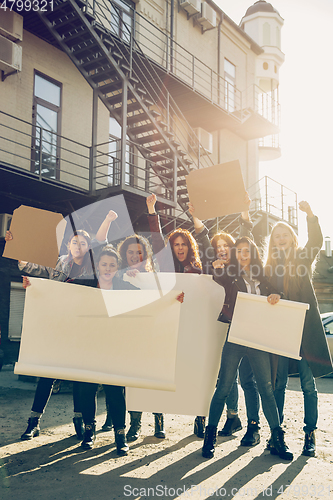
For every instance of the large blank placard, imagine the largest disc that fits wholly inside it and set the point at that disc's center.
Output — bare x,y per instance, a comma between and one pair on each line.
273,328
68,334
217,190
200,341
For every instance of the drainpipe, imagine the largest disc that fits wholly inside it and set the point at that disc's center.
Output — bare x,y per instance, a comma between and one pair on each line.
123,134
92,163
218,87
171,33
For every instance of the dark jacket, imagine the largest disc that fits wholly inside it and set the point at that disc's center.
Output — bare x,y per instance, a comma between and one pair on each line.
314,347
163,253
232,285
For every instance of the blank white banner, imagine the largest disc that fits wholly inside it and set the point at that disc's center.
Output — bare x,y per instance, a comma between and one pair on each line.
68,334
200,341
273,328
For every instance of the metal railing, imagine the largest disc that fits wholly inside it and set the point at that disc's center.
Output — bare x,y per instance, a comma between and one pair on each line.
274,198
270,141
73,166
43,153
139,173
168,54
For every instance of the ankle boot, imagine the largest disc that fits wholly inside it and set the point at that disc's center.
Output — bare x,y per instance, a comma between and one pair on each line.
122,446
278,446
159,425
199,426
309,448
135,427
231,425
251,437
107,426
209,442
32,430
79,427
88,437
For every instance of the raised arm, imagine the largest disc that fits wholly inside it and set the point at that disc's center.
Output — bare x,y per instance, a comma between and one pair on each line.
245,222
206,251
315,236
103,230
154,225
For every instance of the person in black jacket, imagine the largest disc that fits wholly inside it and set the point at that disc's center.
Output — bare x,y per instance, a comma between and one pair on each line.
245,273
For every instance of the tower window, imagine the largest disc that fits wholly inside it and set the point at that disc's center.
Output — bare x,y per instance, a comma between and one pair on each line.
266,34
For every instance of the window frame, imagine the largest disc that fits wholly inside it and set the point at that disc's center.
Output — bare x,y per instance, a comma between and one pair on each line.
35,137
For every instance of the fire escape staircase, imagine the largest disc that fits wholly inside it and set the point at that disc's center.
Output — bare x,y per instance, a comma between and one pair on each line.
126,82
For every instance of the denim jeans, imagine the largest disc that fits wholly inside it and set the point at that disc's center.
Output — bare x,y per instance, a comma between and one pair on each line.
308,385
44,391
260,364
115,397
250,389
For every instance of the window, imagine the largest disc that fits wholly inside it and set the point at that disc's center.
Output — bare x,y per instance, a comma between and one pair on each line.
266,34
115,156
278,37
46,121
229,85
122,19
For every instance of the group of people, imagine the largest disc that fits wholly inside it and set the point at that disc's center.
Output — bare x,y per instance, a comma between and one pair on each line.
235,265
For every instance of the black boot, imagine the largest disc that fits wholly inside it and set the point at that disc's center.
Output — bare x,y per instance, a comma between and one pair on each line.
251,437
79,427
159,425
232,425
107,426
122,446
199,426
88,437
278,446
134,430
309,448
32,430
209,442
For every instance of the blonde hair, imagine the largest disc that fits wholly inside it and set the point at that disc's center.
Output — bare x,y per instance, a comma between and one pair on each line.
290,265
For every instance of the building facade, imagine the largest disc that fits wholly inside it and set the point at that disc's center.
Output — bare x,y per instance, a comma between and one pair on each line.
100,98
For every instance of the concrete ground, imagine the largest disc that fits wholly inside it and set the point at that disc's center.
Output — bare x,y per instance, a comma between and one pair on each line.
54,467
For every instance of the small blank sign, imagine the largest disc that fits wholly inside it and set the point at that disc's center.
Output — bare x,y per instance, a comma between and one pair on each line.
218,190
272,328
37,236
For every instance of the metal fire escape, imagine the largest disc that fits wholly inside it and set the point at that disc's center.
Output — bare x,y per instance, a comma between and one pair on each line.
129,86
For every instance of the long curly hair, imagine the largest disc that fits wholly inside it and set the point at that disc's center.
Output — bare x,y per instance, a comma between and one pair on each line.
193,249
145,245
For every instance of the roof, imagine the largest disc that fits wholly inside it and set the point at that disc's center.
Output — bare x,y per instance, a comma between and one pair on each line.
260,6
254,46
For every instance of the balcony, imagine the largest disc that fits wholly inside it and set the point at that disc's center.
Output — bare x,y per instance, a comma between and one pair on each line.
193,85
52,167
269,148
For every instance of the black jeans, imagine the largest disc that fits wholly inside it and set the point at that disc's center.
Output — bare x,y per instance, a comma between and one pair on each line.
115,396
44,391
